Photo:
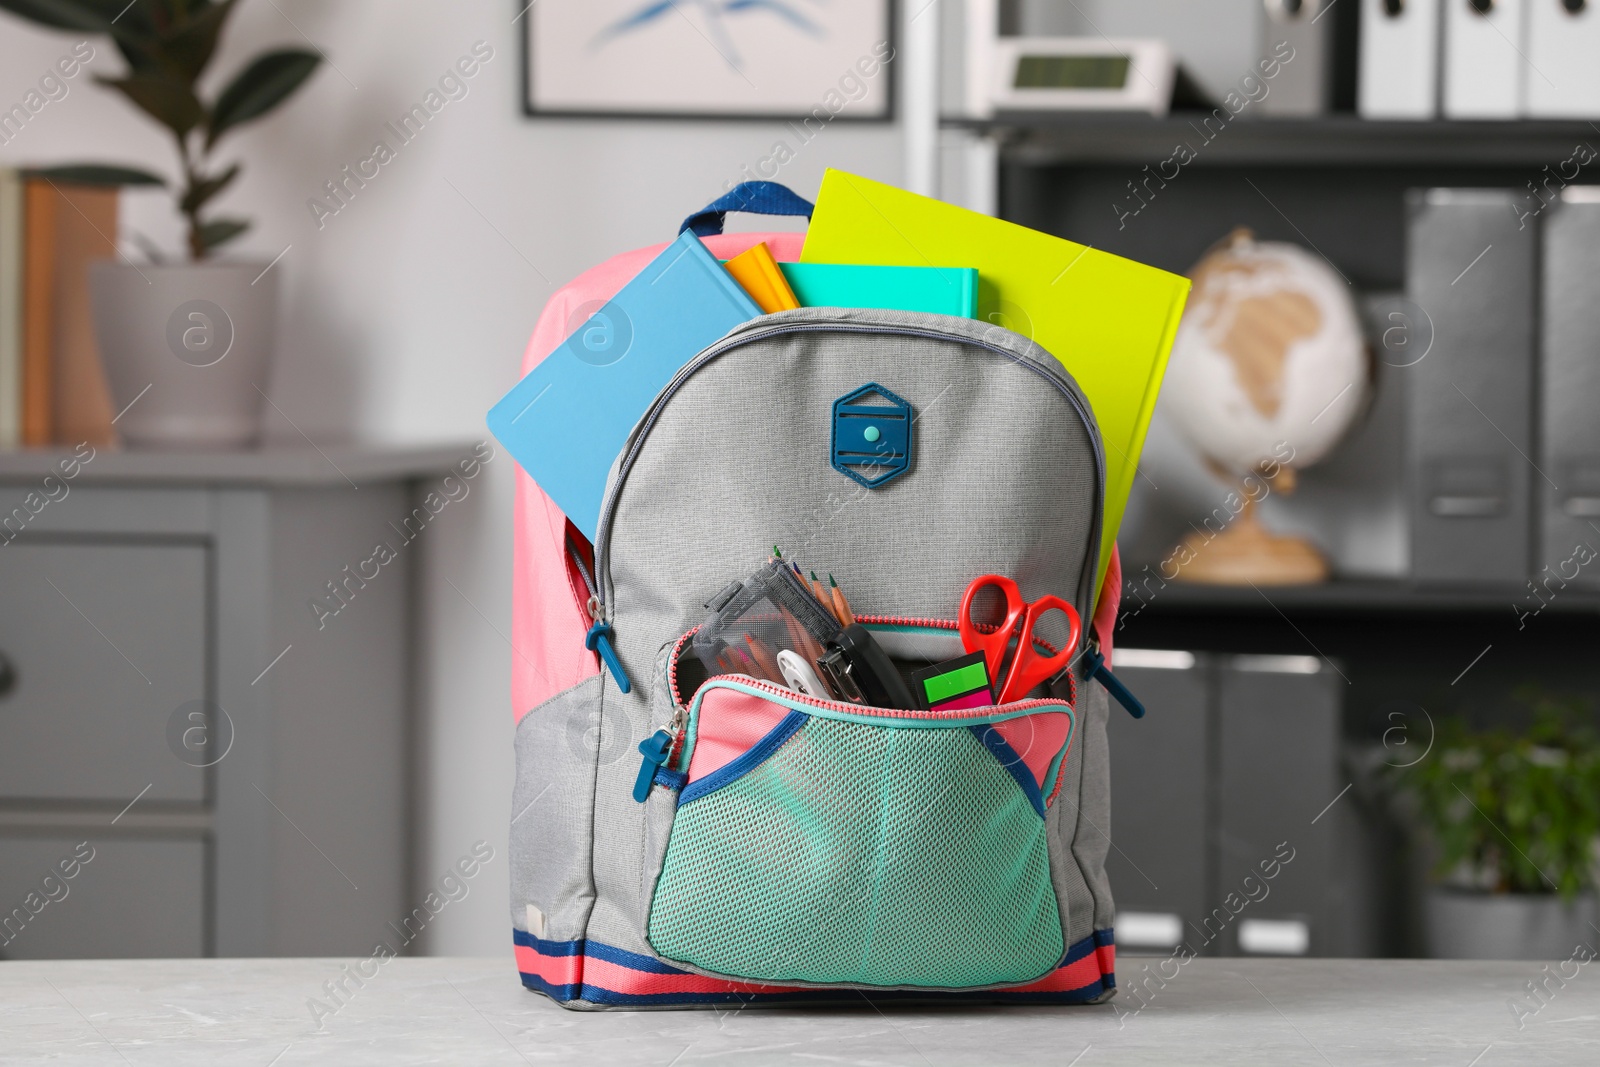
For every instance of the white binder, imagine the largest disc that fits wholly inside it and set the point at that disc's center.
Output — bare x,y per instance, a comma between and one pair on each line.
1484,45
979,33
1303,86
1562,76
1399,59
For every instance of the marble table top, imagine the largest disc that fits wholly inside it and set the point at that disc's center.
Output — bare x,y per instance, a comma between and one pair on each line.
474,1011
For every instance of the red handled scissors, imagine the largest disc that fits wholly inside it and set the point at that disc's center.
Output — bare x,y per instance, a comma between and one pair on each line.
1029,666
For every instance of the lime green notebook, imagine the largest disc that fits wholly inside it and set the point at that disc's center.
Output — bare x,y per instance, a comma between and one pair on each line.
1109,320
948,291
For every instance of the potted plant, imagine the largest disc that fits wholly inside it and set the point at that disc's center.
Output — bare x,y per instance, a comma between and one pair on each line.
1512,819
188,340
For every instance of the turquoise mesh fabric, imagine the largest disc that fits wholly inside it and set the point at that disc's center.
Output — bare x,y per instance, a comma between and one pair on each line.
858,853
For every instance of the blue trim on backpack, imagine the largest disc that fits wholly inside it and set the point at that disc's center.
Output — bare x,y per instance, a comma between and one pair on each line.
1012,762
1097,940
758,198
600,951
670,779
546,948
599,995
747,761
554,992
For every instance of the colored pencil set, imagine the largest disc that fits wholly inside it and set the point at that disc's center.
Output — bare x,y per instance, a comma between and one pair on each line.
831,597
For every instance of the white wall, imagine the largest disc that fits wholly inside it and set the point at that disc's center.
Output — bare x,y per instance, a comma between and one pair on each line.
405,316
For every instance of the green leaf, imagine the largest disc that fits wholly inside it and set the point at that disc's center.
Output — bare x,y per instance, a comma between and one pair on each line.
134,33
182,10
135,16
1537,796
169,14
259,88
97,174
187,47
218,231
169,102
206,188
60,14
126,24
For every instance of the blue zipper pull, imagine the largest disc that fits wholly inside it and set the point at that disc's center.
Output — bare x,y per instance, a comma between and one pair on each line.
599,639
1102,674
655,748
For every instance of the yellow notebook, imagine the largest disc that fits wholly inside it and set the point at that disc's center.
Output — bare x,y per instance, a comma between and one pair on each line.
1109,320
758,272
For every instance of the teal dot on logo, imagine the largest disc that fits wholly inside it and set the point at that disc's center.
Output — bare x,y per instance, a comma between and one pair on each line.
871,433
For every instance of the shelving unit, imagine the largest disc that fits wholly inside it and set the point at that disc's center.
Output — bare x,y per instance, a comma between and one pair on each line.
1342,597
1405,657
1334,140
1400,649
1336,184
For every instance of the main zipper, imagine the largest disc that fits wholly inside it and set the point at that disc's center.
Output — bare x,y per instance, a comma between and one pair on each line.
603,530
598,638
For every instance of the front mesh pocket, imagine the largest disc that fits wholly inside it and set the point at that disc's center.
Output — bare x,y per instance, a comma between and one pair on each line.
851,852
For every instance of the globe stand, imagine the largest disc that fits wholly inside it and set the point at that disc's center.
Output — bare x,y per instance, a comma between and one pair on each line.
1247,553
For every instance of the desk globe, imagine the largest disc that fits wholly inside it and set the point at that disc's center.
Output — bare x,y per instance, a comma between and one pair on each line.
1269,371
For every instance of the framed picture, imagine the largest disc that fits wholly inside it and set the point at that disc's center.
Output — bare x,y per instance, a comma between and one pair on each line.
734,59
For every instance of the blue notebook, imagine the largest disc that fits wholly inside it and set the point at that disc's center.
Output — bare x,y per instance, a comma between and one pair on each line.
568,418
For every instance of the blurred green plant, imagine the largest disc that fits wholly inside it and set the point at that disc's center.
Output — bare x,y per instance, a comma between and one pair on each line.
1514,812
167,45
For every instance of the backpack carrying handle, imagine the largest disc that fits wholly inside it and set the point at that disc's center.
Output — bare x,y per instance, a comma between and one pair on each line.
758,198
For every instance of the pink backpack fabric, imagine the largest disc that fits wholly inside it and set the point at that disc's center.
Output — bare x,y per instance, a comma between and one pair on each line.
548,614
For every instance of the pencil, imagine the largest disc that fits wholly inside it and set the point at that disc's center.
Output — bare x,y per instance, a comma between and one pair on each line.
841,606
763,656
812,647
800,638
814,587
822,597
791,624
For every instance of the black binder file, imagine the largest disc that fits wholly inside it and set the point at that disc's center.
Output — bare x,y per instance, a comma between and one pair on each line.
1569,393
1470,455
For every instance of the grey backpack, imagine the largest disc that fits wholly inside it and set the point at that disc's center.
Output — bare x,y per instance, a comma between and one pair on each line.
683,840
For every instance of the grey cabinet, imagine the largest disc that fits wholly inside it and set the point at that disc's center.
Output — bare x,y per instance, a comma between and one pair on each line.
1159,800
1225,829
1278,773
104,640
206,684
134,897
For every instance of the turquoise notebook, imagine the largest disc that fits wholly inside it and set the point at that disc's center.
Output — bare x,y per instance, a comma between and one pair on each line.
941,290
568,418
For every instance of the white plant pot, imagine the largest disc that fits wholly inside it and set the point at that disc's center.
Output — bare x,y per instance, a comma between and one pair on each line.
186,350
1508,926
